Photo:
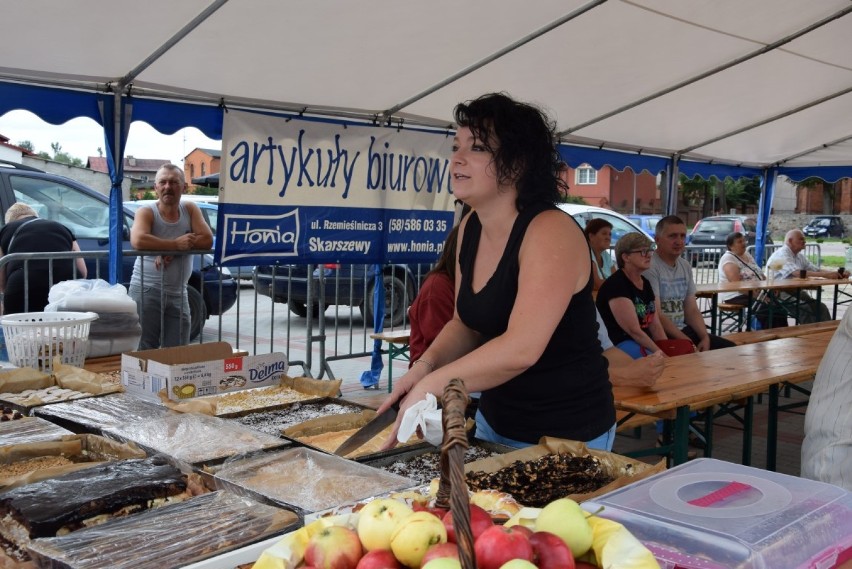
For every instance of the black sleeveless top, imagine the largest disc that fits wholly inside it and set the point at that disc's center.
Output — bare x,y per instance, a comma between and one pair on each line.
566,393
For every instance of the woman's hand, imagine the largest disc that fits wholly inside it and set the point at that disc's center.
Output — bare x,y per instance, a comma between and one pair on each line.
404,393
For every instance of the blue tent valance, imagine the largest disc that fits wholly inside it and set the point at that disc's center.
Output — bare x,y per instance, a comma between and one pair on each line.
827,173
705,170
169,117
53,105
575,156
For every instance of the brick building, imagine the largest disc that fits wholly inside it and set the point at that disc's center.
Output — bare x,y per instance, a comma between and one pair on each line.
201,162
825,198
610,188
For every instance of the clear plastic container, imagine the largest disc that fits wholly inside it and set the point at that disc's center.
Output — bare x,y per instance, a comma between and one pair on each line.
711,514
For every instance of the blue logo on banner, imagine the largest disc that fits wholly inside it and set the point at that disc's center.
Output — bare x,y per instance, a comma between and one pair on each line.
260,235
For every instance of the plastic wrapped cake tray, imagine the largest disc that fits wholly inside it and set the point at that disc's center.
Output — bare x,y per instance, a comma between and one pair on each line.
95,414
194,439
171,536
306,480
30,462
711,514
274,421
29,430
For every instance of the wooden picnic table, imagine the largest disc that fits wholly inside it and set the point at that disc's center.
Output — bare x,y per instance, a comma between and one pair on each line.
698,381
712,291
397,348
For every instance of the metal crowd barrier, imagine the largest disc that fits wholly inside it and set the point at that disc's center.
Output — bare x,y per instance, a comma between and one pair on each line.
255,323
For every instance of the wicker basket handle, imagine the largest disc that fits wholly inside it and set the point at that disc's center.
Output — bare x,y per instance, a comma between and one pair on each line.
452,490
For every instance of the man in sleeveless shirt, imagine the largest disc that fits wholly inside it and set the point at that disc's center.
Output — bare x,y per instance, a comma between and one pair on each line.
159,282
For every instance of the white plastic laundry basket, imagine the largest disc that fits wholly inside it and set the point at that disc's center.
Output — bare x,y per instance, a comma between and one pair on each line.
33,339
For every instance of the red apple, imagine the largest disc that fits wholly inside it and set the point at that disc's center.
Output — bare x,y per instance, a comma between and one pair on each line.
334,547
523,529
480,520
440,550
499,544
418,507
550,552
378,559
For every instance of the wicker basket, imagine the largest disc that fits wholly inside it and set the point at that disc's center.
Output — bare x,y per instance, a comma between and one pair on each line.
452,490
33,339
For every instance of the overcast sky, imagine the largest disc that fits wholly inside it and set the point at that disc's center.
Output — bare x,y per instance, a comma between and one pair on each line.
81,138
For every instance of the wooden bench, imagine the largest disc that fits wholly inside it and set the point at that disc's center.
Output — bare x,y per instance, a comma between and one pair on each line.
397,348
755,336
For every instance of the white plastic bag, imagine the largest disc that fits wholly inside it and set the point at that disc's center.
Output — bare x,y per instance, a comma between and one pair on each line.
426,415
89,295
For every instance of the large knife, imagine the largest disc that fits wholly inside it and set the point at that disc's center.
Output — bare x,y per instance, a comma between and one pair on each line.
368,431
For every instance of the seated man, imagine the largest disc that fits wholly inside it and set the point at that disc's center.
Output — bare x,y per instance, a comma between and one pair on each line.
827,447
791,258
671,279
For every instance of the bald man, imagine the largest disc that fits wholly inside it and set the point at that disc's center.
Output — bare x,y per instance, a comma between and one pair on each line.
792,260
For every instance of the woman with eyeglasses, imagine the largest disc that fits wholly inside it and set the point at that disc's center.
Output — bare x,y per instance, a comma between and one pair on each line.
599,233
626,300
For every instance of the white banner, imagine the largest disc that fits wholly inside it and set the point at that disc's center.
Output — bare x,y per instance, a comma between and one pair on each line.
311,191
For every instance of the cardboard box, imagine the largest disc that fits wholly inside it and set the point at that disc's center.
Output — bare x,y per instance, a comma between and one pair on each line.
201,369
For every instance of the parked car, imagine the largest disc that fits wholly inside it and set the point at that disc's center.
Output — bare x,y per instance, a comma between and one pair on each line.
86,212
621,225
347,285
648,223
210,212
825,226
707,240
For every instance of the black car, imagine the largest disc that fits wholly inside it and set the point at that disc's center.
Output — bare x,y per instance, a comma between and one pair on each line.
825,226
707,240
86,213
348,285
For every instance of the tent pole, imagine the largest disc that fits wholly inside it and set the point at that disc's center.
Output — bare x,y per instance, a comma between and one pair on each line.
671,186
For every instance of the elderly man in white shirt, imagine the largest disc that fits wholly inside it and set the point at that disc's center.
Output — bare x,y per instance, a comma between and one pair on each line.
791,258
827,448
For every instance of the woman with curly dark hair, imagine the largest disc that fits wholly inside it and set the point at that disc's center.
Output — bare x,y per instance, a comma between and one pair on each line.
524,330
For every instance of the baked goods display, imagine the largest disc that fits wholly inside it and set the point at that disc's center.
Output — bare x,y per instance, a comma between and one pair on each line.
97,413
25,387
8,414
188,532
308,480
273,422
258,398
29,430
194,438
33,397
89,497
539,481
426,466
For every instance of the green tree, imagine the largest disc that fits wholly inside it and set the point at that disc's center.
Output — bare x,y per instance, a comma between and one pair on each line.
27,145
64,157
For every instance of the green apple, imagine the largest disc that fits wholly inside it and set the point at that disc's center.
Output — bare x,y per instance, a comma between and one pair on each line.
443,563
566,519
414,535
377,521
518,564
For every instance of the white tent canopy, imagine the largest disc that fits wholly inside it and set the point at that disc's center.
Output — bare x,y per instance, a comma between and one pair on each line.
757,82
718,87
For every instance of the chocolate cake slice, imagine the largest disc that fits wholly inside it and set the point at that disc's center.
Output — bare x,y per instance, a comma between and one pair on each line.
88,497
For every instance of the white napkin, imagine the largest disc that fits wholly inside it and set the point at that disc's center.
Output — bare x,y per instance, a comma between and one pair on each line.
426,415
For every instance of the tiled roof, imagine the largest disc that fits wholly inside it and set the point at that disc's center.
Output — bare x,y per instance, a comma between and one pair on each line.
99,164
